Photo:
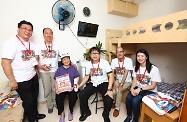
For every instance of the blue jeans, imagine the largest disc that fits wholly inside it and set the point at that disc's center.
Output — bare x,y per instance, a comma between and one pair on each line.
133,104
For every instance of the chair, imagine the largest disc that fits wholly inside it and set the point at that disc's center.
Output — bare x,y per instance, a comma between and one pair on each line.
96,100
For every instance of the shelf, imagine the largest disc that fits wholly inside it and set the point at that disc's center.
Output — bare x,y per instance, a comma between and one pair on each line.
122,8
114,40
113,35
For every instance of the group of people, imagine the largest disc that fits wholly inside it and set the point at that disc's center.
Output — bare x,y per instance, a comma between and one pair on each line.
24,63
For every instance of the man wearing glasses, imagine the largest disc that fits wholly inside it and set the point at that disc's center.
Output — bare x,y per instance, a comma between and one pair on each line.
18,62
101,77
121,67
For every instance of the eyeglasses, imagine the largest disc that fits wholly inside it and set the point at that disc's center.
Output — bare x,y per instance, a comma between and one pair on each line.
94,53
26,29
120,52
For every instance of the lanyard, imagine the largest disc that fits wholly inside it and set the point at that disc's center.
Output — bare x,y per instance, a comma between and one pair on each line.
143,74
121,67
29,51
95,71
48,47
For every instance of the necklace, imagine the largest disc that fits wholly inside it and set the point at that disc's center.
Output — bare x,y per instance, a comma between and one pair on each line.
141,77
121,68
28,50
95,71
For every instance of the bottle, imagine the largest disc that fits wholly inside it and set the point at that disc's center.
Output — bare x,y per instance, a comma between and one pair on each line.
75,85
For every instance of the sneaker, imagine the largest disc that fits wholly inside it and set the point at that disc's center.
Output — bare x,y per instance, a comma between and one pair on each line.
62,120
116,112
50,110
128,119
70,117
83,117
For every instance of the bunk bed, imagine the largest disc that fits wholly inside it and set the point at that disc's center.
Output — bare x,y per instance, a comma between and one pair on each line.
166,29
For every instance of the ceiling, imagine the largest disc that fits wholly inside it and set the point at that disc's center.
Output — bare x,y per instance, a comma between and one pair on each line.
135,1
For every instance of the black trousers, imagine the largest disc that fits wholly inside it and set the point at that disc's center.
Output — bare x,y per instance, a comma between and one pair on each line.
28,91
72,96
85,94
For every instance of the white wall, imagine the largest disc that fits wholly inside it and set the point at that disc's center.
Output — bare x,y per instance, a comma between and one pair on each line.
170,58
155,8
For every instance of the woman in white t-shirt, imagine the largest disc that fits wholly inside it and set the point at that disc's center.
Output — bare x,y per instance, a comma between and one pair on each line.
145,77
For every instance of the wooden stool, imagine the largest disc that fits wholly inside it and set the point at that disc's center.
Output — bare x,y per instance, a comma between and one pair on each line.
146,110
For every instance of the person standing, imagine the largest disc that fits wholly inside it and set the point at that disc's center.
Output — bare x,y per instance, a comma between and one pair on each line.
66,73
19,62
47,55
145,77
121,67
101,80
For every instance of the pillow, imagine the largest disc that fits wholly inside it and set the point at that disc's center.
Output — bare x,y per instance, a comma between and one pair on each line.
182,87
175,95
161,86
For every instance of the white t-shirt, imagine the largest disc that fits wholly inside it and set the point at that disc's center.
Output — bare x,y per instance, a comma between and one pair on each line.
46,57
127,65
144,78
22,63
98,74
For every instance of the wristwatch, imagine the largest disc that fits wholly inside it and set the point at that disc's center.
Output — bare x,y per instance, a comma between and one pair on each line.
121,84
109,89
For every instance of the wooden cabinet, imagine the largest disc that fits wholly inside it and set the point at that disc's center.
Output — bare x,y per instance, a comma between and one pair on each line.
114,40
122,8
111,35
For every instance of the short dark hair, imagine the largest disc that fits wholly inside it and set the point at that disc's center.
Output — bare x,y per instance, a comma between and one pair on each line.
24,22
94,49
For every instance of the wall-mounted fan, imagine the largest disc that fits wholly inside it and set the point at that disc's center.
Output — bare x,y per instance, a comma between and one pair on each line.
63,13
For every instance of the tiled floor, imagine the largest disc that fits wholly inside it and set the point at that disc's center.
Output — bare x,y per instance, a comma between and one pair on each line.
93,118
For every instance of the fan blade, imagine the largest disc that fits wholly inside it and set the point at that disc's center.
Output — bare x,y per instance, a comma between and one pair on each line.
63,11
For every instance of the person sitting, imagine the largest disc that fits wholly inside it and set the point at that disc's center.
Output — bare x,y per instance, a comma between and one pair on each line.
121,67
66,78
145,77
101,80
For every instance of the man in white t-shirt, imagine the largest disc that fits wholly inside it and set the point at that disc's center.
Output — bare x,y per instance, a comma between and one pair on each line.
47,54
121,67
101,80
18,62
